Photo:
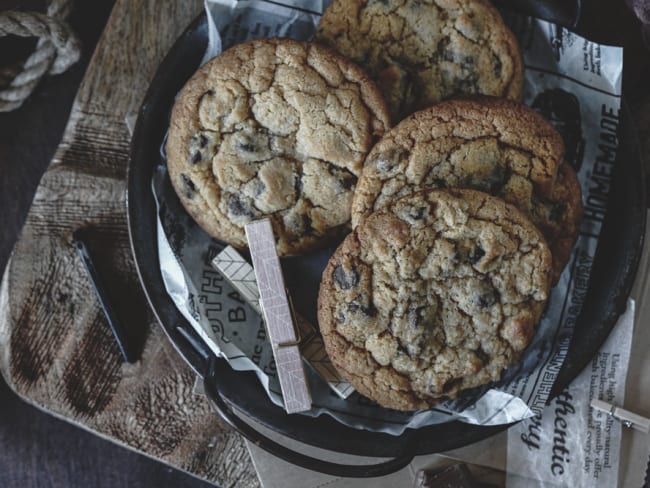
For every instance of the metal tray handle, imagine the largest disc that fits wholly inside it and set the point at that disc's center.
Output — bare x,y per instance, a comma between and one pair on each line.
211,383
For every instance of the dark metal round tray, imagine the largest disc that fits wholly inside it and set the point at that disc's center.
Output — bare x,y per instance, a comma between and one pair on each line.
612,277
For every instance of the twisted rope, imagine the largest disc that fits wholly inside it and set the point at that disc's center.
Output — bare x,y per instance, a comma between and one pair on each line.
56,50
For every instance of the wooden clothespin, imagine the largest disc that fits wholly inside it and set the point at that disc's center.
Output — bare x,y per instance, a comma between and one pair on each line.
627,418
278,316
241,276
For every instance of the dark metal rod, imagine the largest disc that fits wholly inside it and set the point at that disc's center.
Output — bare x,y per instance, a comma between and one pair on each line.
129,352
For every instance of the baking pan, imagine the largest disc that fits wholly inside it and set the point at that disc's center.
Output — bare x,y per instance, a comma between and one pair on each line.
613,274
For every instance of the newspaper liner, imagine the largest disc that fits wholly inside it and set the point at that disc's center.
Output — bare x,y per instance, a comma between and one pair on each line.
574,82
571,443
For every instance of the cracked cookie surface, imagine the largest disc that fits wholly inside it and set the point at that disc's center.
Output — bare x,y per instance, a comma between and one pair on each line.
436,293
493,145
423,51
274,128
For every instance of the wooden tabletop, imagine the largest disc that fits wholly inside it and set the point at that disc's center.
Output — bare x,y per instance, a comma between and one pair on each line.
56,350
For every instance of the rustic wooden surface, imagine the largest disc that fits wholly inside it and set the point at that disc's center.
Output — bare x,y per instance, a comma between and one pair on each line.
56,350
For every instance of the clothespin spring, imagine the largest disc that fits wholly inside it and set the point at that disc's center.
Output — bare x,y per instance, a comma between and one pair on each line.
627,418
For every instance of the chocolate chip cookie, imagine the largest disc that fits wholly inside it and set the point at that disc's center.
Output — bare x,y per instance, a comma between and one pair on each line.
424,51
274,128
494,145
437,292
